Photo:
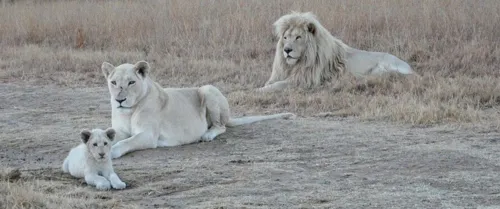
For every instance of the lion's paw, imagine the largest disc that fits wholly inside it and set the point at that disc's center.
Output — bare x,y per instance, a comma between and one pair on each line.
289,116
105,185
115,152
208,136
119,185
259,90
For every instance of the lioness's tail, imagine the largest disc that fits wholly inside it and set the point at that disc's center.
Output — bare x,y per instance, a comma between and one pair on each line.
252,119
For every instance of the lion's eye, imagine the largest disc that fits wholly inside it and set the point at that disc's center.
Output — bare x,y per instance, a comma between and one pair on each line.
298,37
113,82
131,82
105,143
95,144
284,37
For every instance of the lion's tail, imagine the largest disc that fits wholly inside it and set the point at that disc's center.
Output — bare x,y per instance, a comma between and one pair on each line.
252,119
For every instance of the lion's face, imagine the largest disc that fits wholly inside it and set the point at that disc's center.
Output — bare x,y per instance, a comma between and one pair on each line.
126,83
98,142
294,45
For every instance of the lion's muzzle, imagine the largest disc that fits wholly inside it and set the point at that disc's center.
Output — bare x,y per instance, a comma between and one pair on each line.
120,100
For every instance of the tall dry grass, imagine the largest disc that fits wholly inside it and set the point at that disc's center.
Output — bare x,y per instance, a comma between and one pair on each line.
454,44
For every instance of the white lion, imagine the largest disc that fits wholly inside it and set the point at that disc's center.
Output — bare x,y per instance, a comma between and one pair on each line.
145,115
307,55
91,160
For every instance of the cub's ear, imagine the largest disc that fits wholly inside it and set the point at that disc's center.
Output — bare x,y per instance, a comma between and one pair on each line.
110,133
142,68
85,134
311,28
107,68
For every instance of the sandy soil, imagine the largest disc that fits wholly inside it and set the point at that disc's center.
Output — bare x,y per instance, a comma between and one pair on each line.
306,162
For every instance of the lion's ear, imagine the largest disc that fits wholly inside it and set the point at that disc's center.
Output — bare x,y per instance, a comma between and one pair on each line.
107,68
85,134
142,68
110,133
311,28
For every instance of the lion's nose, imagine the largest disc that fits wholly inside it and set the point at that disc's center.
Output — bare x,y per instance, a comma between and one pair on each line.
120,100
101,154
287,50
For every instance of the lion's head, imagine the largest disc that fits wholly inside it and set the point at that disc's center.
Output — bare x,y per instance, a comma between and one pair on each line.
98,142
306,51
295,36
127,83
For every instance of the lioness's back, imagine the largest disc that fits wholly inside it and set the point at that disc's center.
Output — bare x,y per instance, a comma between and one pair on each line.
184,96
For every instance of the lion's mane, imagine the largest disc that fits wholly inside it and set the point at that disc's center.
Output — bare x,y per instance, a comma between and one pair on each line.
323,58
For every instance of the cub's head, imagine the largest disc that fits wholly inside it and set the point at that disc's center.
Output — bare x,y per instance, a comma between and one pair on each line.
98,142
296,33
127,83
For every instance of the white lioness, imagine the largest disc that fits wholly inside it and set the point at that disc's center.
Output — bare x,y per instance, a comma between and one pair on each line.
308,55
145,115
92,161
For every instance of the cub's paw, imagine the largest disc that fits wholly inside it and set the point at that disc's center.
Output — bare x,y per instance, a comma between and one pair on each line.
103,185
119,185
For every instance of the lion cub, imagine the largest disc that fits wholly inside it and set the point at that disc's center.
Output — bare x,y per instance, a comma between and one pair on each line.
92,160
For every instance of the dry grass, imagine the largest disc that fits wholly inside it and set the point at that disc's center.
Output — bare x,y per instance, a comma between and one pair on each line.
29,192
453,43
43,194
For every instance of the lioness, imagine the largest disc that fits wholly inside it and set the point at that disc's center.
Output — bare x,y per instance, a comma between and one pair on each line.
145,115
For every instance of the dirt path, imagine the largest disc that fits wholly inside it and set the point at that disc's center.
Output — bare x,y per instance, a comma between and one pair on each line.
307,162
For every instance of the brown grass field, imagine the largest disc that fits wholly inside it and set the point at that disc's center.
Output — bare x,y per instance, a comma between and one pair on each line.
52,85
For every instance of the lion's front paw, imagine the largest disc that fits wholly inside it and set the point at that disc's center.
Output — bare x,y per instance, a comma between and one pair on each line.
115,152
260,90
103,185
119,185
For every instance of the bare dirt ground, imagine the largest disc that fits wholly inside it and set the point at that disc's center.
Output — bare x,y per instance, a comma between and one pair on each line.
307,162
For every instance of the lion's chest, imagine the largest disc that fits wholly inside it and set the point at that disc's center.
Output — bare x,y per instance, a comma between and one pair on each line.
122,122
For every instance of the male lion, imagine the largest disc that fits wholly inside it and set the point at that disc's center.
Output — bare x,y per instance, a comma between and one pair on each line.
145,115
307,55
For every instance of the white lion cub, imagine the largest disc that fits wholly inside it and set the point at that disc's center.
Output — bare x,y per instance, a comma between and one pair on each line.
92,160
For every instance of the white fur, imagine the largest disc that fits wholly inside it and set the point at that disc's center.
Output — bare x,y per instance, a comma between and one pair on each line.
307,55
145,115
82,162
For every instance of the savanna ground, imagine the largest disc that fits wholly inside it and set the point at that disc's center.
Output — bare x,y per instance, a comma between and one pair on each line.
373,143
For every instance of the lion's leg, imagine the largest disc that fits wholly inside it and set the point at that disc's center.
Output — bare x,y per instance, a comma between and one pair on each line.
99,182
276,86
119,135
378,69
115,181
213,132
271,80
140,141
217,121
217,108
